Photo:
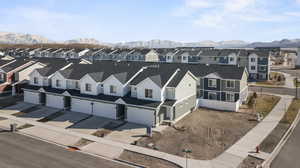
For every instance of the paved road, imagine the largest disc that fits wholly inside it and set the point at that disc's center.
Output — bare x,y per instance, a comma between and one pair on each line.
281,91
18,151
288,157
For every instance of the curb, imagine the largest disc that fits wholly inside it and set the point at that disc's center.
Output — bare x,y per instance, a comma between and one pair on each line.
267,163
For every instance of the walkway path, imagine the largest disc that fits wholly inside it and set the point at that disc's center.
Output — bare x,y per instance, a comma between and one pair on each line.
289,80
231,158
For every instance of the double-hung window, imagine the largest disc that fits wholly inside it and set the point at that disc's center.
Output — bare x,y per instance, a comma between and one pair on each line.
113,89
35,80
212,83
229,84
230,97
88,87
58,83
212,96
76,85
148,93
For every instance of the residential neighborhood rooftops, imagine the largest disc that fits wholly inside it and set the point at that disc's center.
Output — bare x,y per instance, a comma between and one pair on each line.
16,64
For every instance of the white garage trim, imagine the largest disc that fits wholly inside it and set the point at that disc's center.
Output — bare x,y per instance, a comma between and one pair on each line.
55,101
31,97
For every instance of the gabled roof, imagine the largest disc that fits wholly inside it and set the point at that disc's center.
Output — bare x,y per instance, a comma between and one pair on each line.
14,65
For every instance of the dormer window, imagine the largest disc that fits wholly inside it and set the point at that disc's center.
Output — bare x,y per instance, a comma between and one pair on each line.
88,87
35,80
148,93
57,83
113,89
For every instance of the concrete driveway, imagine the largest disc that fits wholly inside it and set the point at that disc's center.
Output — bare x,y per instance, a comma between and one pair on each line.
52,136
90,125
39,114
127,133
22,106
68,119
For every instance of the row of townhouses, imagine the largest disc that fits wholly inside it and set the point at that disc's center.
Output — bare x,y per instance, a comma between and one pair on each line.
257,61
146,93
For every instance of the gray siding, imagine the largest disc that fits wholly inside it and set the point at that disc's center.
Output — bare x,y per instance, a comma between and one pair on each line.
184,106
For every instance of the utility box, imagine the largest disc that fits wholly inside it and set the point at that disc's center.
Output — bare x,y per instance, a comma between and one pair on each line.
13,127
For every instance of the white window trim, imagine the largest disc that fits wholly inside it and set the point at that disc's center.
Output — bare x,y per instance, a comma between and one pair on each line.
215,86
114,90
210,93
230,81
229,93
86,88
151,97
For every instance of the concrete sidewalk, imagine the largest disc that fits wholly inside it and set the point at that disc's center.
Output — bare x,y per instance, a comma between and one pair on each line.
231,158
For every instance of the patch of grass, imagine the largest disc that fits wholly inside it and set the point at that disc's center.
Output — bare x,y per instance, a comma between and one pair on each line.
51,117
83,142
265,103
269,143
292,112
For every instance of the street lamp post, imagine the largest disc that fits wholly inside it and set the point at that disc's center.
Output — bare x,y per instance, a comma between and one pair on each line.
186,151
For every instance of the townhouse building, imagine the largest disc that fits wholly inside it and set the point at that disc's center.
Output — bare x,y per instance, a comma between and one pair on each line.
146,93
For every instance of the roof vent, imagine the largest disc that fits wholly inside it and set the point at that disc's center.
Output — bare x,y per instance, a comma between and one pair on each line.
207,64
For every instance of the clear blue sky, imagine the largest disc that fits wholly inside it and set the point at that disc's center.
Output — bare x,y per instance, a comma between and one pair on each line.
128,20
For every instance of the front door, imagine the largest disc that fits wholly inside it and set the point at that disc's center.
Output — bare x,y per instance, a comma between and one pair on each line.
121,111
67,102
42,98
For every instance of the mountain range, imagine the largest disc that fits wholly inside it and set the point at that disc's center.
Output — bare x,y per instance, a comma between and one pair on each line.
19,38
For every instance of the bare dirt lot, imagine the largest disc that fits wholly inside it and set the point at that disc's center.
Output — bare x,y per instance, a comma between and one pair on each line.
250,162
206,132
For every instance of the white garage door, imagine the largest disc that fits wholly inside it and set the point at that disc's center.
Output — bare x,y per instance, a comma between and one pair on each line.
99,109
31,97
140,116
82,106
55,101
105,110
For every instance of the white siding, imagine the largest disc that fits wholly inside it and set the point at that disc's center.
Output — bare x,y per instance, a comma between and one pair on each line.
32,97
55,101
186,87
58,76
253,63
94,85
24,74
38,76
113,81
140,116
149,84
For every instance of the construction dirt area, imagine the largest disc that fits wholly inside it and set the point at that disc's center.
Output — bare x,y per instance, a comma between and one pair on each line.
206,132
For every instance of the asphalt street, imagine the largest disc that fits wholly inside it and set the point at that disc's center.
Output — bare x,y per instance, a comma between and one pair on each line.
288,157
18,151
